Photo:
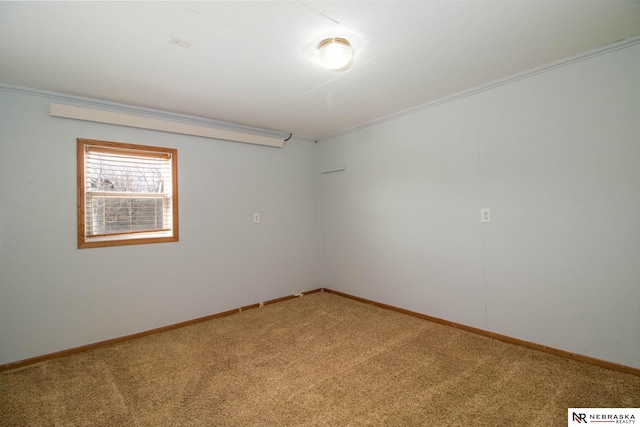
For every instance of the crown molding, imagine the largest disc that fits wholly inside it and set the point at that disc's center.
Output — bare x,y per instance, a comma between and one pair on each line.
497,83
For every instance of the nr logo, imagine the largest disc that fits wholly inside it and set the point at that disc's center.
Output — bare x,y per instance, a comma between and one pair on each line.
580,418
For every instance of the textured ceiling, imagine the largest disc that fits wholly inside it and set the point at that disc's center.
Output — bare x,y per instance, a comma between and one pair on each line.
254,63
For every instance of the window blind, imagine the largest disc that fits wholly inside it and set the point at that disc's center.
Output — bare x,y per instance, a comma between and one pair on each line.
126,191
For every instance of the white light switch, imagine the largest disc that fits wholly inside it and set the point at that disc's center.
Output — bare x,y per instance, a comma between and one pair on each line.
256,218
485,215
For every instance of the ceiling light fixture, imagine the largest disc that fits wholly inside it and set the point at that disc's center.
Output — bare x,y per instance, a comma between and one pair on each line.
335,53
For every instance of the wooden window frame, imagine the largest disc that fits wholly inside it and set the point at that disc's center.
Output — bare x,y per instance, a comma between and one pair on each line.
128,237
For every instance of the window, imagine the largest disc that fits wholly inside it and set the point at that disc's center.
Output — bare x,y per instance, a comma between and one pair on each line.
127,194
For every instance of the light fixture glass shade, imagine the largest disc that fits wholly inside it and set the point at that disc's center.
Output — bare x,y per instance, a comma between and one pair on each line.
335,53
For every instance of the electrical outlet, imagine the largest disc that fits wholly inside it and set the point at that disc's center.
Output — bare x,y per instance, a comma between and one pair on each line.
485,215
256,218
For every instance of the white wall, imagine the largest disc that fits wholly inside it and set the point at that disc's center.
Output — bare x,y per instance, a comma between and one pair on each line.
555,155
54,296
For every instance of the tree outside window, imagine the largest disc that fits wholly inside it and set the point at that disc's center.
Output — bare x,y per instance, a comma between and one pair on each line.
127,194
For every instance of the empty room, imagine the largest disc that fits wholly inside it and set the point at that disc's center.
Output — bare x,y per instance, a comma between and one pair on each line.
301,213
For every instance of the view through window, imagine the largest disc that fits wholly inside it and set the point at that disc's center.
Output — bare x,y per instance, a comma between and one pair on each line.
127,194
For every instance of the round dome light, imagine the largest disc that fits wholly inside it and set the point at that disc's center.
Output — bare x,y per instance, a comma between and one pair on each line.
335,53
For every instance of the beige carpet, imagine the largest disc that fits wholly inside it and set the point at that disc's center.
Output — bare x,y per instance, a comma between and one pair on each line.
318,360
